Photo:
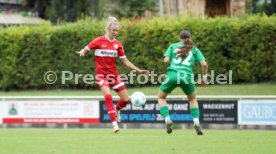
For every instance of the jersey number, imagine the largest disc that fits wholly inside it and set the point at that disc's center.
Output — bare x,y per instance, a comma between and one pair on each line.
186,60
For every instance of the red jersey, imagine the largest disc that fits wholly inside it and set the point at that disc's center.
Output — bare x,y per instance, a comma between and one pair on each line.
105,54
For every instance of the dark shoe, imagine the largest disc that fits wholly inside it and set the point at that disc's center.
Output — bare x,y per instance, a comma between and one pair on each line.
169,127
198,130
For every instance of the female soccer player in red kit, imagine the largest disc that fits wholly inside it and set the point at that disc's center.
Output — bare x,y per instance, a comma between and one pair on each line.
106,49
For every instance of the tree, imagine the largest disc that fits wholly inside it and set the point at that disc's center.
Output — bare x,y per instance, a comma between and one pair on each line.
132,8
72,10
269,8
257,6
66,10
254,6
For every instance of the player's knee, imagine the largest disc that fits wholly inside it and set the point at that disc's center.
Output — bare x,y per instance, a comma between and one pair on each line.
194,101
108,97
191,97
125,99
161,95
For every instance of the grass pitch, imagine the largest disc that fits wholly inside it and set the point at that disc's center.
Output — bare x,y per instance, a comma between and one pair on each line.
135,141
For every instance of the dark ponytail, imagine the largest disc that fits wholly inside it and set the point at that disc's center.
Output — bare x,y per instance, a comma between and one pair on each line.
184,50
188,45
186,37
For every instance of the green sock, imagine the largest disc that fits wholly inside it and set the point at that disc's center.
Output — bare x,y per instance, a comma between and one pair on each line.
164,110
195,112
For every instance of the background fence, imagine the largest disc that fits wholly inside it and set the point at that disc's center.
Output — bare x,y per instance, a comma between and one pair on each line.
236,110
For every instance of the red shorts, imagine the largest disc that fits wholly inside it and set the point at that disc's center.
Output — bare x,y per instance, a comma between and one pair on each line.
111,80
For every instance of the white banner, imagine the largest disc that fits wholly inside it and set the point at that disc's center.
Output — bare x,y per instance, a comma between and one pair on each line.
56,111
257,112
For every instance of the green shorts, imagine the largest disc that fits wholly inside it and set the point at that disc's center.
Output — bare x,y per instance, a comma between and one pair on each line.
176,79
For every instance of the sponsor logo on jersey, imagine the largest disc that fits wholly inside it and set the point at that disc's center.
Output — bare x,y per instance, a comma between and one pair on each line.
103,45
116,46
106,53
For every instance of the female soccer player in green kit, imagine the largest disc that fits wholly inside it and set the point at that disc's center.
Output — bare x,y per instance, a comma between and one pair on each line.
180,58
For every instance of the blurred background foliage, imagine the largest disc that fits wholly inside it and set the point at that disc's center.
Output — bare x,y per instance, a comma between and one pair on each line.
245,45
72,10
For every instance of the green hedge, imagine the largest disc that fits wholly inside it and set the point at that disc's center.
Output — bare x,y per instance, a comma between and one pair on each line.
245,45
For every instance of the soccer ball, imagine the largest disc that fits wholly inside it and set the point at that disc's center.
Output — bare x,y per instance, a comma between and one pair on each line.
138,99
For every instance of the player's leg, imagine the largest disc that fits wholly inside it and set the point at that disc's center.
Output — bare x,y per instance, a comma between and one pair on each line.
164,110
122,102
104,86
195,112
124,99
110,107
166,87
188,88
120,88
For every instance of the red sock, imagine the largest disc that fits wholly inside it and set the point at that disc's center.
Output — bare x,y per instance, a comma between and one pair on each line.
109,107
121,104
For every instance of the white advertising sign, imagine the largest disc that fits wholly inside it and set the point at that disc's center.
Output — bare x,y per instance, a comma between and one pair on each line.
41,111
257,112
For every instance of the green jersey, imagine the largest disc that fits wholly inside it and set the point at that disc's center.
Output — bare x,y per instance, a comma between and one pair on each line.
183,64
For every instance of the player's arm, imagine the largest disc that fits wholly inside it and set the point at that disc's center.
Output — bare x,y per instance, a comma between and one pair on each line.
204,66
92,45
83,51
127,63
167,60
167,55
131,66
